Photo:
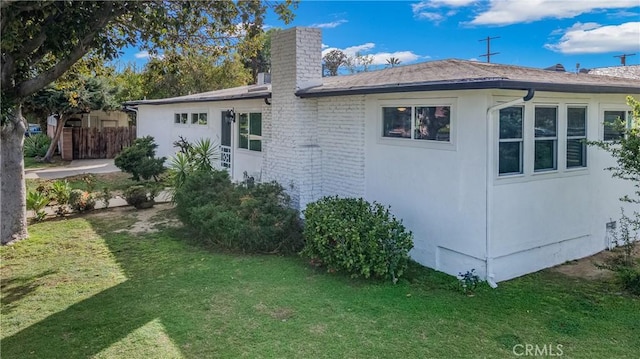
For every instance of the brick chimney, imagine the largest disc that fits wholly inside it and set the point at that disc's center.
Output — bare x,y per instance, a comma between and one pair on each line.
290,139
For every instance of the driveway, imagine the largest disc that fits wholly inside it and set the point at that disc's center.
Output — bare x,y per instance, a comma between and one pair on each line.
76,167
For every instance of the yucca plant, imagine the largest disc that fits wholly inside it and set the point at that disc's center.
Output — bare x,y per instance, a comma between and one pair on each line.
61,191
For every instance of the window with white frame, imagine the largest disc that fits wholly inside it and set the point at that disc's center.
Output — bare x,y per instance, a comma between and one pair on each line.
614,124
546,139
250,131
576,137
199,118
180,118
431,123
510,144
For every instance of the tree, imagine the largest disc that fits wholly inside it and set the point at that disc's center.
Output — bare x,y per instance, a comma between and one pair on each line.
258,60
333,60
41,40
65,100
393,61
359,62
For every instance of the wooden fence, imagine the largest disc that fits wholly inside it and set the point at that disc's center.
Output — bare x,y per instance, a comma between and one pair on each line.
101,143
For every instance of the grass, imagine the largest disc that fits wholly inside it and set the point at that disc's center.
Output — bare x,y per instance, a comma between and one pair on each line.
78,288
32,162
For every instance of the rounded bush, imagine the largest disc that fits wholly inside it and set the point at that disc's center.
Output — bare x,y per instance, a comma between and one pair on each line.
36,145
81,201
356,237
138,196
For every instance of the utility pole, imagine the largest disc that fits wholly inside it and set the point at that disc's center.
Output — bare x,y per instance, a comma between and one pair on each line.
489,53
623,58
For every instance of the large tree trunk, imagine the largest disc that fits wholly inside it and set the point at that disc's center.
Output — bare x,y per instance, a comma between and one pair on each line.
56,138
13,192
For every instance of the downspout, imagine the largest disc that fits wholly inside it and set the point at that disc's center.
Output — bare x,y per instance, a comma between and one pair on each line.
489,182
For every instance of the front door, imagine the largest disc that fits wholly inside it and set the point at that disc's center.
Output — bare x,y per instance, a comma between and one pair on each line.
225,142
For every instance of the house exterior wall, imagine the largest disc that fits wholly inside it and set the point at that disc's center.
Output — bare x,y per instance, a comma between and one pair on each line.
158,121
437,189
538,220
341,127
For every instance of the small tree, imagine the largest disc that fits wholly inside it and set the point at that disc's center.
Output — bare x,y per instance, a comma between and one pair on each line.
139,160
332,61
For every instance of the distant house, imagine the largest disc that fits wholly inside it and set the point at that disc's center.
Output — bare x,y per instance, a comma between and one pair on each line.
629,72
93,119
485,163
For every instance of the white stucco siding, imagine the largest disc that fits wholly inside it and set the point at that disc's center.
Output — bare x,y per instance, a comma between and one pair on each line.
437,189
158,121
541,219
341,127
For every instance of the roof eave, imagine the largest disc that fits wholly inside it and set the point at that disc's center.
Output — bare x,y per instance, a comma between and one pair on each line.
471,85
248,96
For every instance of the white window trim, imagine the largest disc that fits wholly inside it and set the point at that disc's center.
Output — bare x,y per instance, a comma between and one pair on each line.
237,132
529,142
451,145
190,112
556,138
567,137
520,140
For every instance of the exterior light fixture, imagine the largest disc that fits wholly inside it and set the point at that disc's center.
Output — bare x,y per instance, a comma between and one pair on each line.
230,116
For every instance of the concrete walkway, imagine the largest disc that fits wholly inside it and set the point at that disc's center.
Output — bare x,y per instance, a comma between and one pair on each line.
76,167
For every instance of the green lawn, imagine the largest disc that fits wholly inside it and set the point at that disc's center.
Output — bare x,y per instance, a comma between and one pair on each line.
31,162
78,289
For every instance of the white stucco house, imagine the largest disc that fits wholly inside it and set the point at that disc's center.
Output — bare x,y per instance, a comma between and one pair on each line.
484,163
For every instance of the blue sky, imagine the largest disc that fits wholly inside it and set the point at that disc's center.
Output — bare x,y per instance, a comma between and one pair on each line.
534,33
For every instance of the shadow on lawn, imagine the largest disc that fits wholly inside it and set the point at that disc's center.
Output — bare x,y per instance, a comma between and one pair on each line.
18,288
153,288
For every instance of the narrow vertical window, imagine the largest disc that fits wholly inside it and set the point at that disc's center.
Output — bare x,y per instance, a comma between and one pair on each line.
576,137
546,139
510,141
250,131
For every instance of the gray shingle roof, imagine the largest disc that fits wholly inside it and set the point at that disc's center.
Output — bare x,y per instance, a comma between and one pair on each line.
461,74
630,72
242,92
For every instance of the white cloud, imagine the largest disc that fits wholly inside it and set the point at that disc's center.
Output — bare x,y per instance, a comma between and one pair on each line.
330,25
592,38
505,12
324,46
427,9
379,58
142,55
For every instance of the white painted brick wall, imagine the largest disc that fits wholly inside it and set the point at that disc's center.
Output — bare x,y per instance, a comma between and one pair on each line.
290,138
341,124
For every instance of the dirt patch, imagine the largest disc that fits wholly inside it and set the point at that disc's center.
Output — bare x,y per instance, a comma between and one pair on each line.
151,220
585,268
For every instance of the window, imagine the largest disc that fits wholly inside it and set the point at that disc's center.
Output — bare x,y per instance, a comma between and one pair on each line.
510,143
546,139
250,131
180,118
432,123
614,124
576,137
198,118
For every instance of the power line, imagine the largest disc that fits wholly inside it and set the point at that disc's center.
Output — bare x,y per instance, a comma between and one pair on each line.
489,53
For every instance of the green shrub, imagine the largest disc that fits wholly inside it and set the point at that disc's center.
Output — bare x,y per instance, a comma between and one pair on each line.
141,196
353,236
36,202
36,145
60,192
81,201
256,220
139,160
629,279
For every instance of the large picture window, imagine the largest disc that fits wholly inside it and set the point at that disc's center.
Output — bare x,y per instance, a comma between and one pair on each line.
576,137
432,123
250,131
510,142
546,139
